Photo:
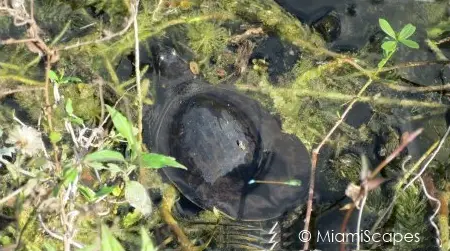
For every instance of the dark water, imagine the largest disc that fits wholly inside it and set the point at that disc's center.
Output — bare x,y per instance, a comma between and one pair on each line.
226,120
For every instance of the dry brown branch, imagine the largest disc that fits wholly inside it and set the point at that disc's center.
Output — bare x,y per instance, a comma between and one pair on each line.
55,235
108,37
406,139
315,156
444,40
258,31
34,42
17,41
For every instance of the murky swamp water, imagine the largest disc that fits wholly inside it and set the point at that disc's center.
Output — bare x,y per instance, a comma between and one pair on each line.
195,116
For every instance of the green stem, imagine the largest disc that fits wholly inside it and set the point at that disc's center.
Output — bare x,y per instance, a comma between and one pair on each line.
416,166
336,96
20,79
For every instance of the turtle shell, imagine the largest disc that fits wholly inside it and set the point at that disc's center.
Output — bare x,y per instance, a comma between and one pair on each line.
225,139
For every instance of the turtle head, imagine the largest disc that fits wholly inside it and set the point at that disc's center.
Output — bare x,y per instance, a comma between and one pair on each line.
168,64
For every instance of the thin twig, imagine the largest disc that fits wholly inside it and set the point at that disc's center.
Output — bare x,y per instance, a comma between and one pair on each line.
21,79
158,8
444,40
436,211
358,226
12,195
24,89
314,161
102,100
441,143
347,216
106,38
416,165
48,110
17,41
416,89
55,235
370,72
406,140
137,71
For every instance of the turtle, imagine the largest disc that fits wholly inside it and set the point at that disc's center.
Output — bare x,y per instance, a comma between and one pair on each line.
226,139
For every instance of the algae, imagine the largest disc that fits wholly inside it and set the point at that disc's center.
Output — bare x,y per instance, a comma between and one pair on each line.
307,99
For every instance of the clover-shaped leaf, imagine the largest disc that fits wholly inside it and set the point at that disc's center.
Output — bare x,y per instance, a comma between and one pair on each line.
387,28
407,31
410,43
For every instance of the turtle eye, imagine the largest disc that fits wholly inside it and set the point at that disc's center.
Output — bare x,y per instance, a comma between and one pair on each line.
167,62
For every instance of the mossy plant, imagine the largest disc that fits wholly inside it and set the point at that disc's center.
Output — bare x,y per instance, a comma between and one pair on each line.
297,101
409,213
207,38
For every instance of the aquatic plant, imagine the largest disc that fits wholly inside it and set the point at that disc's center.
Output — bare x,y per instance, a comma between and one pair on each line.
96,160
207,38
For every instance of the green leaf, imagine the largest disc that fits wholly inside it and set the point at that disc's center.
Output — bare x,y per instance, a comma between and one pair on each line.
147,244
104,156
131,218
109,242
137,196
76,120
104,191
88,194
53,76
117,191
96,165
113,168
61,74
410,43
407,31
155,161
72,79
293,183
69,175
386,27
55,137
69,107
389,46
72,117
123,126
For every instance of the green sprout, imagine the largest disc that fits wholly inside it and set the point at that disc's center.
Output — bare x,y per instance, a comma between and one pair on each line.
61,79
392,41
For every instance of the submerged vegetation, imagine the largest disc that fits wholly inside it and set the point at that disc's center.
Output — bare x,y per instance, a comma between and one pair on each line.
75,76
